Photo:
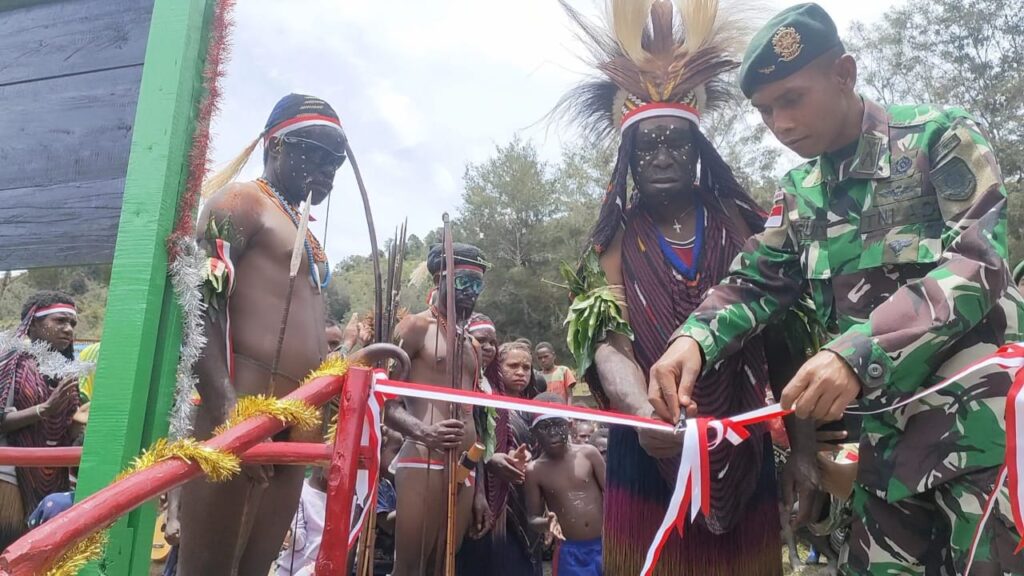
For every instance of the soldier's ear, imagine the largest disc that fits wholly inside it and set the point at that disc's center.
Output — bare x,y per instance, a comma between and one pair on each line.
845,69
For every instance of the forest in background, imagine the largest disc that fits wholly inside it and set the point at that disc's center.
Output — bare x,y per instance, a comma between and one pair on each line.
528,215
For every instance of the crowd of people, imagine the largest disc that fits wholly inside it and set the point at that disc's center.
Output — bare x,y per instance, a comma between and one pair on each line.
879,269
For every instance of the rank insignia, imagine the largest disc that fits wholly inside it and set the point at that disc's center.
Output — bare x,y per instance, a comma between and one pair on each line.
898,246
903,165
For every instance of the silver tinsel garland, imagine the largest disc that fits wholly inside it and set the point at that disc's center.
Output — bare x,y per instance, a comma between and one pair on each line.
187,276
50,363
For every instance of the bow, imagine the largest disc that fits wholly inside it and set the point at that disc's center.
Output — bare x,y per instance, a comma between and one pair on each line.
454,374
378,315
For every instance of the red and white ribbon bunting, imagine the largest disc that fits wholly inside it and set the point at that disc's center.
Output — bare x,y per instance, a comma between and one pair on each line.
370,444
1015,448
692,490
693,479
394,388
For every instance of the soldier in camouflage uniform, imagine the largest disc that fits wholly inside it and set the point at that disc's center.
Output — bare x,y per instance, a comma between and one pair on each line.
896,225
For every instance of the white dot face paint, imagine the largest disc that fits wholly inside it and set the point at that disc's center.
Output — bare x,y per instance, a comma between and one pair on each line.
664,159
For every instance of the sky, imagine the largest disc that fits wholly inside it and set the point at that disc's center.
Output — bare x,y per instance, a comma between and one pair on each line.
422,88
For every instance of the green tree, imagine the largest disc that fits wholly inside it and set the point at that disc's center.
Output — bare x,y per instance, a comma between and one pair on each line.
528,216
747,146
967,53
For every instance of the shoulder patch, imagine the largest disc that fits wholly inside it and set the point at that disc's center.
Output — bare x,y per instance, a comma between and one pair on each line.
954,180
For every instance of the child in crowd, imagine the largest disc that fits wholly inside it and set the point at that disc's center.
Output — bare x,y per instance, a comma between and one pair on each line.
569,480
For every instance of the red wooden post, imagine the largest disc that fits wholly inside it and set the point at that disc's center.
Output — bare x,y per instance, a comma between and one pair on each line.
341,481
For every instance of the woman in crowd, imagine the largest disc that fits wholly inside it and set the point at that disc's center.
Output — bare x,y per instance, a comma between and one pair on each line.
510,548
37,409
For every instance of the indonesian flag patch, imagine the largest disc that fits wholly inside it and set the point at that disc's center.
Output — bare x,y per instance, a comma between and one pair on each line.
775,216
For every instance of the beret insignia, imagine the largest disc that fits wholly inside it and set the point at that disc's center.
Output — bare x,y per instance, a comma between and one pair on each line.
786,42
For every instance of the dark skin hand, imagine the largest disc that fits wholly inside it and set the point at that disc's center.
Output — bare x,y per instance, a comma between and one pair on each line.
511,467
58,400
483,519
822,389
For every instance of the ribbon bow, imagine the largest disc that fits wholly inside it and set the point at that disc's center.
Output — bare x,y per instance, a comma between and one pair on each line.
693,479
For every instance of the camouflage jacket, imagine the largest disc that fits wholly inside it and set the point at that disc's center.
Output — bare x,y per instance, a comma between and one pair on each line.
903,249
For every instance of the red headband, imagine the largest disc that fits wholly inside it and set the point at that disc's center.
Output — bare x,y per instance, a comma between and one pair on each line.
656,109
300,121
59,308
480,325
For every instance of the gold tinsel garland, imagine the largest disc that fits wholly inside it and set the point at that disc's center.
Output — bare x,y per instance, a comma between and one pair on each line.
292,412
334,365
89,549
332,431
216,464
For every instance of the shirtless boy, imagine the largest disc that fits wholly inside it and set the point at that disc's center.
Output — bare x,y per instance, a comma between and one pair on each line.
569,480
421,476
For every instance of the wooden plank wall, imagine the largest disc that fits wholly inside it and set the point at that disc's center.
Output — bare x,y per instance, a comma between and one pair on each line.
69,83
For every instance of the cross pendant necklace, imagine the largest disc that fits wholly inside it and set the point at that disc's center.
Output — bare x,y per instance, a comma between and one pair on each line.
676,225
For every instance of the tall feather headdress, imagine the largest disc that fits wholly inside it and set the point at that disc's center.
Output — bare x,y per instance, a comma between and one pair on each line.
655,58
659,58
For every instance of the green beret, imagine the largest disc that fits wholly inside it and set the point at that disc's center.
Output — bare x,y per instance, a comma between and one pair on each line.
788,42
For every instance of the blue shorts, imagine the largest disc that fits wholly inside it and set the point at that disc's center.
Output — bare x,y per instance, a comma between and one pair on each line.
578,558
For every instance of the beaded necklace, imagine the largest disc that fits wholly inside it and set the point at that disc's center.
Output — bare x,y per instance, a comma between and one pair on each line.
314,252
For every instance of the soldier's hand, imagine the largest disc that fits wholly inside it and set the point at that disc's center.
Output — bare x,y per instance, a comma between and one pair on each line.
822,388
444,435
672,378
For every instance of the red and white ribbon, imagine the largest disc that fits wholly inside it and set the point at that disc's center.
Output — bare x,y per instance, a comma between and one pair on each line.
1007,357
59,308
224,254
395,388
366,479
693,479
692,490
1015,450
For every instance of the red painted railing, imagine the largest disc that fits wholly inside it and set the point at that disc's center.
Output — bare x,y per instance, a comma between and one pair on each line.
42,546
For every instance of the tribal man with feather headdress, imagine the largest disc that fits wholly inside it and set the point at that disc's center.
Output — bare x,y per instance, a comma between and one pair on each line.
659,250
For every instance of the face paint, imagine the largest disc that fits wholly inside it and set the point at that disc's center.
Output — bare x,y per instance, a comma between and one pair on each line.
469,284
307,160
553,435
57,330
664,160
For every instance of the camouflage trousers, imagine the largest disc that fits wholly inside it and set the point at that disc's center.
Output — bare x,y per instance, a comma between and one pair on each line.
931,533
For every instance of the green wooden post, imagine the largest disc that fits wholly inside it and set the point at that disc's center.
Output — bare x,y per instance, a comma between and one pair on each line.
142,332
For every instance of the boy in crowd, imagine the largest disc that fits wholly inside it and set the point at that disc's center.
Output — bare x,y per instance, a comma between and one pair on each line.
569,480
